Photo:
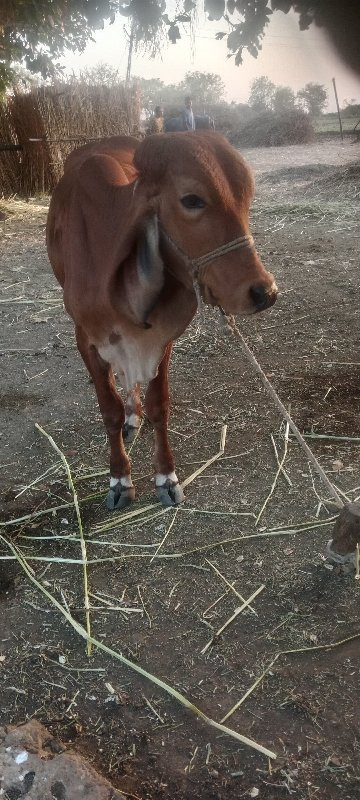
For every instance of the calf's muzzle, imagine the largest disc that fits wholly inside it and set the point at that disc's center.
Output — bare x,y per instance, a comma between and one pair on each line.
262,297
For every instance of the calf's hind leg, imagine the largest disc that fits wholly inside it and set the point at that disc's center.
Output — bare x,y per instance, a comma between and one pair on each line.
122,491
157,406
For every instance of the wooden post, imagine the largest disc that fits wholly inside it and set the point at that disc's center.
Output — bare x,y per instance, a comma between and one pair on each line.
338,110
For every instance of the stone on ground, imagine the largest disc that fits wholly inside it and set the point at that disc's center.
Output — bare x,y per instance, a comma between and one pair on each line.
35,766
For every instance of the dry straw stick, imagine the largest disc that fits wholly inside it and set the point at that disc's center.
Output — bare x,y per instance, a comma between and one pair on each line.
135,667
81,532
34,515
280,469
102,542
212,604
271,532
278,461
202,549
230,585
165,536
144,607
25,302
231,619
249,691
53,468
329,646
330,436
128,516
211,512
153,710
211,460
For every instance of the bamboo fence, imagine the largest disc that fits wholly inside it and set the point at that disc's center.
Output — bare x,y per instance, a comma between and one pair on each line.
62,117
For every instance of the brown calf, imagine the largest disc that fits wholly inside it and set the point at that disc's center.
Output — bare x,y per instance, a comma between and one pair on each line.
136,233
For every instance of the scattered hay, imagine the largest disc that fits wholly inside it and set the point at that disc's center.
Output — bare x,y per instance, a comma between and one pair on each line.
63,117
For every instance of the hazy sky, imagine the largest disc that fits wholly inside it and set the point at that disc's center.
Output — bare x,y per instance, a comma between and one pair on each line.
289,57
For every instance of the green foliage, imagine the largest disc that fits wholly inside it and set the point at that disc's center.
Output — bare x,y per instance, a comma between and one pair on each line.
100,75
283,99
204,87
274,130
36,34
265,96
248,20
351,109
230,118
262,92
247,33
151,92
174,94
313,98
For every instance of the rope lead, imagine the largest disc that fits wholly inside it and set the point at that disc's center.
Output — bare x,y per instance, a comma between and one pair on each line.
231,326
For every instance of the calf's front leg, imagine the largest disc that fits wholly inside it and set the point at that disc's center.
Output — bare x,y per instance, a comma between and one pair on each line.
157,408
122,491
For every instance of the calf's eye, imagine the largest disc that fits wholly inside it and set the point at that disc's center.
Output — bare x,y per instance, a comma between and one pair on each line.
192,201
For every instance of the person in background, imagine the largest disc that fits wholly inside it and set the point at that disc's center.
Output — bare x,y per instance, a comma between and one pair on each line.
156,124
188,115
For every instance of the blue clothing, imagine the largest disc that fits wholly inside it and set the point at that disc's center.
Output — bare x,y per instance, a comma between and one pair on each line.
189,119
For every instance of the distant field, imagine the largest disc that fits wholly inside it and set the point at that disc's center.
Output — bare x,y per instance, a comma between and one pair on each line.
329,123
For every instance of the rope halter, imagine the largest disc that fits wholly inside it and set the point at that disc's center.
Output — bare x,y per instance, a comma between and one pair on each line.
196,264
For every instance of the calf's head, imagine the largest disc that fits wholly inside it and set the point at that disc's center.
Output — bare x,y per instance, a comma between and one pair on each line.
200,189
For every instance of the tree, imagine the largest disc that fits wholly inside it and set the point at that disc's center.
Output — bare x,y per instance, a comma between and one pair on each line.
151,90
155,92
249,18
23,80
352,108
37,33
173,94
313,98
261,94
283,99
100,75
204,87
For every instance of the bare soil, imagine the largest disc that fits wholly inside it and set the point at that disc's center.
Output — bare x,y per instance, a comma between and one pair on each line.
306,222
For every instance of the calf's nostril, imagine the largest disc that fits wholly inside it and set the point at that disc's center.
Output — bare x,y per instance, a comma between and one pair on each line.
259,296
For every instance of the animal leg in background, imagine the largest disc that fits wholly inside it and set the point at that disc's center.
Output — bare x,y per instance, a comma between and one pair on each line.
133,414
157,409
122,491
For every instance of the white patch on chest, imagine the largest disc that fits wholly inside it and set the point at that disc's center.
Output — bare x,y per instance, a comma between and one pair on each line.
134,360
133,420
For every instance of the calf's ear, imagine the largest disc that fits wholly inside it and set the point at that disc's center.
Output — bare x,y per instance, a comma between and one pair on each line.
149,282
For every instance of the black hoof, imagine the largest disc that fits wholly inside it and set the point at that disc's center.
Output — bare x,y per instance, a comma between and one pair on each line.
170,494
338,558
119,497
129,432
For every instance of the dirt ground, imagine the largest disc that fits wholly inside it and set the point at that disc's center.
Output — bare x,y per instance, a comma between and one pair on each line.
160,613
